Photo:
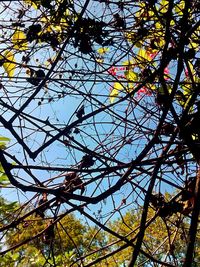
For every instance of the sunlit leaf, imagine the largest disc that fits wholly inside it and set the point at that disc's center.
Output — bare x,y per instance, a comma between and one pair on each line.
194,43
172,23
158,25
143,55
3,178
103,50
64,23
160,42
15,256
99,60
188,101
164,6
1,169
2,145
151,14
19,40
2,138
193,72
141,10
31,3
130,75
51,27
179,8
130,36
9,64
117,87
128,63
151,86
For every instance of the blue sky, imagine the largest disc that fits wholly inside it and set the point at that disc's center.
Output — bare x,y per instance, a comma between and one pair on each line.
63,95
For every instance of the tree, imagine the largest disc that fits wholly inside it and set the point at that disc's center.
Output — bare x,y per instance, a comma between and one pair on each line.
60,244
100,101
165,239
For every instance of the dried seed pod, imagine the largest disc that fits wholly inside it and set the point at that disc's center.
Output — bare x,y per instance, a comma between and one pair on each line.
87,161
167,129
80,112
72,182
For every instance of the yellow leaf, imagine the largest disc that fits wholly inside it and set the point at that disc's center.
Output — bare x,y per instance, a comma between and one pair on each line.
6,139
19,40
130,75
63,22
31,3
192,71
158,26
141,9
151,86
128,63
151,13
172,22
164,6
9,64
143,55
180,7
99,60
191,67
3,143
115,91
160,42
103,50
139,44
194,43
187,101
130,36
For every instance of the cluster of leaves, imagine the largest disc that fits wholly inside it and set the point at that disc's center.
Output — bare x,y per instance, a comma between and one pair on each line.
89,31
52,28
148,41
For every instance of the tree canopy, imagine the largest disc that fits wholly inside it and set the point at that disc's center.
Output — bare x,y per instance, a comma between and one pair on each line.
100,132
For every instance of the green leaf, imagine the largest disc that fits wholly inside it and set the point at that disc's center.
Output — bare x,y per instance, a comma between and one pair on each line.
3,141
2,145
2,138
3,178
15,256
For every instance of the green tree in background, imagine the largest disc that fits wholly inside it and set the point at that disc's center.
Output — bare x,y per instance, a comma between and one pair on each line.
165,238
